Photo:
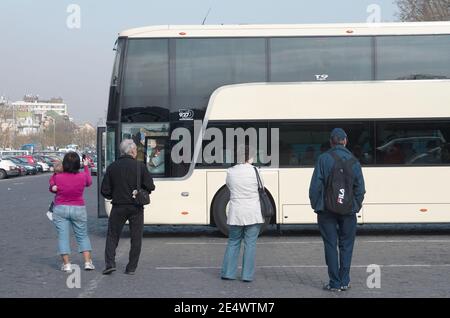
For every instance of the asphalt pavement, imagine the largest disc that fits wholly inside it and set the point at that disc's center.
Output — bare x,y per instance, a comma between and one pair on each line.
184,261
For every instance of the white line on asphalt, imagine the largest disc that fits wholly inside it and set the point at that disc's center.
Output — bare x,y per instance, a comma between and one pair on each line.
93,284
303,266
23,178
312,242
192,267
197,243
406,241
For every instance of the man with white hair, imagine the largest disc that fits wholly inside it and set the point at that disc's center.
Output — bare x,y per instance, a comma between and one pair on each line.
119,184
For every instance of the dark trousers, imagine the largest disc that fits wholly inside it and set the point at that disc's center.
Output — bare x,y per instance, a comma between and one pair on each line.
117,219
338,230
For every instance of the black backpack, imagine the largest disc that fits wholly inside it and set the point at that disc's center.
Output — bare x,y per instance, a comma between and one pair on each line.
339,186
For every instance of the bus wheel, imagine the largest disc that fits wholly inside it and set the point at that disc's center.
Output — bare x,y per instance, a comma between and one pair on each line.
219,209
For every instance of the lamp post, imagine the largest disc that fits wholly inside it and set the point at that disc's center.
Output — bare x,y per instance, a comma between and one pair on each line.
54,134
54,129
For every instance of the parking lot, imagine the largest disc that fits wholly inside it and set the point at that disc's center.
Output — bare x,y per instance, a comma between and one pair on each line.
413,261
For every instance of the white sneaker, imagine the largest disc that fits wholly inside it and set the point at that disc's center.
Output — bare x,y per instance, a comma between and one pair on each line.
66,268
88,266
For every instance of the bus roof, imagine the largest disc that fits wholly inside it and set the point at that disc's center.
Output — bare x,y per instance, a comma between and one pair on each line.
255,30
331,100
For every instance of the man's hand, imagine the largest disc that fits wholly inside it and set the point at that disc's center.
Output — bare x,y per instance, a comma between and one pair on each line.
55,188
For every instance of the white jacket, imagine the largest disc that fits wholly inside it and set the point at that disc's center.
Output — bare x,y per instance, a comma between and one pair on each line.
244,207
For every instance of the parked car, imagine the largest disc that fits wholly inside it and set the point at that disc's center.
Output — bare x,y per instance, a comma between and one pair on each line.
53,154
28,158
8,169
30,162
46,164
28,168
43,166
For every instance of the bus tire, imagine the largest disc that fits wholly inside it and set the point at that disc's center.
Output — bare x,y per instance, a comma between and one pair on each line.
3,174
218,211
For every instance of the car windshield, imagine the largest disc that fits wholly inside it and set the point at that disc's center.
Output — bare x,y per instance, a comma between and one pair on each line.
15,160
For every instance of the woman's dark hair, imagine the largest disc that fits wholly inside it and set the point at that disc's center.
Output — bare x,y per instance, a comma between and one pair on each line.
71,162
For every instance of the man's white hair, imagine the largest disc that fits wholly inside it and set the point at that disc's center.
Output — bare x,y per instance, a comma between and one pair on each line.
126,146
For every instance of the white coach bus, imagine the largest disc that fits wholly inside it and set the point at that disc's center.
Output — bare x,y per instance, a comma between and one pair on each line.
385,84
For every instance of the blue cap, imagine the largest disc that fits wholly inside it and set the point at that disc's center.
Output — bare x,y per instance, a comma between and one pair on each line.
338,133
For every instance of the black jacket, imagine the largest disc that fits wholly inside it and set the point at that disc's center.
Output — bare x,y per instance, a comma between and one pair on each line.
120,180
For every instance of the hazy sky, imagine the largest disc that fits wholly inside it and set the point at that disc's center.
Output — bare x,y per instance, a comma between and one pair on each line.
40,55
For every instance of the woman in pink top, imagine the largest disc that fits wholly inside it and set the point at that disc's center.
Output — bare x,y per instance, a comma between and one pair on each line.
70,209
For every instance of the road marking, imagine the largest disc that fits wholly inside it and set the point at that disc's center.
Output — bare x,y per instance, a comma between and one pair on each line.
23,178
312,242
89,291
406,241
303,266
196,243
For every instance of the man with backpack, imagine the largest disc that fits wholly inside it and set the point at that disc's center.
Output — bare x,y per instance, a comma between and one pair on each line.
336,194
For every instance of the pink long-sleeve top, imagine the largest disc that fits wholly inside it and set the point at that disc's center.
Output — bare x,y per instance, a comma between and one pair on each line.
70,187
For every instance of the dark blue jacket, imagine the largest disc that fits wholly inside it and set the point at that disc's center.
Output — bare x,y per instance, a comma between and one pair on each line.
323,168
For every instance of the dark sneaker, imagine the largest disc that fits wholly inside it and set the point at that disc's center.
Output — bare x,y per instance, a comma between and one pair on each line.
346,287
108,270
129,272
226,278
332,289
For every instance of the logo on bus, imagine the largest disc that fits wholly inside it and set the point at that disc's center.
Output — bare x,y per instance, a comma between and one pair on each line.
321,77
186,114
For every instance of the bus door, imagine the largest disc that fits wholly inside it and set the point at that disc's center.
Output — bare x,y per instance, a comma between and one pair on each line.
101,168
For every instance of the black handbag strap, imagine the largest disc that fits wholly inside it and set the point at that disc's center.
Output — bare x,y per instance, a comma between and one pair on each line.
138,175
260,185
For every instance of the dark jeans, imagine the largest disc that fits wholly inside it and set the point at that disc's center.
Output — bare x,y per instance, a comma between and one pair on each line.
117,219
338,229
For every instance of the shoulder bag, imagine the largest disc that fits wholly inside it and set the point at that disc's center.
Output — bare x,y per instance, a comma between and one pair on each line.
142,197
267,209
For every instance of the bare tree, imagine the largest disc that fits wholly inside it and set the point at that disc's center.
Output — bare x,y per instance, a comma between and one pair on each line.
6,126
423,10
85,136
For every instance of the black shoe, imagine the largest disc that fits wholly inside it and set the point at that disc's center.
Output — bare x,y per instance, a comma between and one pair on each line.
108,270
246,281
226,278
129,272
332,289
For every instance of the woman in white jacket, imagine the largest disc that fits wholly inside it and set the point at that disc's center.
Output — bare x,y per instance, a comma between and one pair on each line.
244,219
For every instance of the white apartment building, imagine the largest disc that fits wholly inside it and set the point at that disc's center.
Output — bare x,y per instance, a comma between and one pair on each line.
41,107
30,113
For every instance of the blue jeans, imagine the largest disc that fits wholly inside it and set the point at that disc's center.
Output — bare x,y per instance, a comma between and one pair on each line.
338,230
249,234
65,217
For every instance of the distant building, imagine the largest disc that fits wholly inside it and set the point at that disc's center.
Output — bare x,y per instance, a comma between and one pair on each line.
33,104
31,113
3,100
28,126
